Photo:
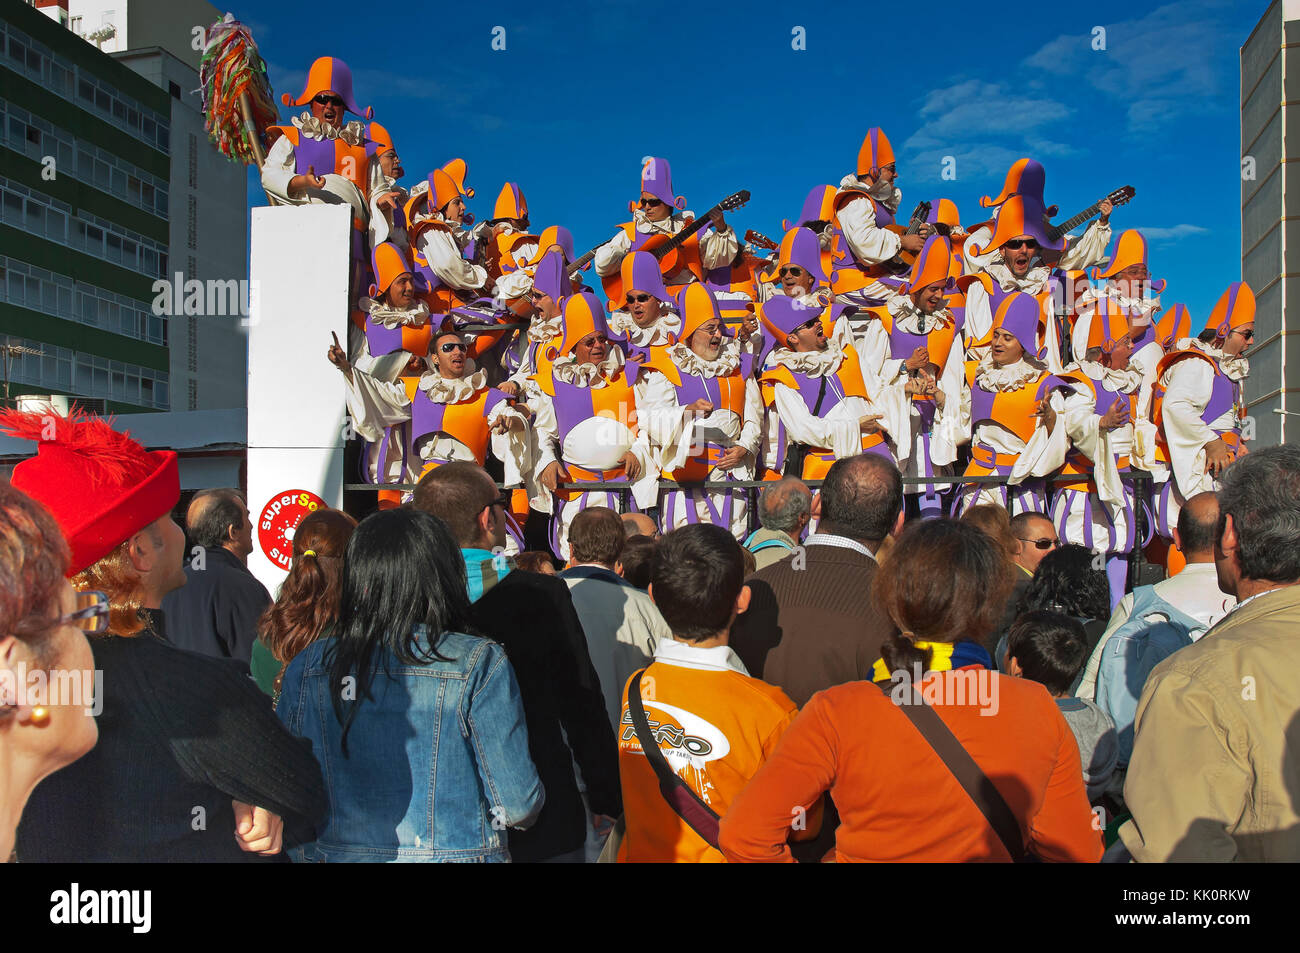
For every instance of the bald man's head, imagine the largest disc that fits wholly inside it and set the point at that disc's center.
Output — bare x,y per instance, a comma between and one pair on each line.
1197,522
218,519
861,498
785,505
638,524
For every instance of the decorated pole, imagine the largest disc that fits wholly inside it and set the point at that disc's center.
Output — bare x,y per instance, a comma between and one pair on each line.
238,103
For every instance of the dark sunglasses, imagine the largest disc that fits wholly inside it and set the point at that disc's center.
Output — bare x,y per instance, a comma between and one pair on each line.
1245,335
1021,243
326,100
639,299
452,346
651,203
809,325
792,270
502,501
1043,543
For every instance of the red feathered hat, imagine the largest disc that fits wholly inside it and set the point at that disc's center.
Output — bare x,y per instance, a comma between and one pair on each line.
100,485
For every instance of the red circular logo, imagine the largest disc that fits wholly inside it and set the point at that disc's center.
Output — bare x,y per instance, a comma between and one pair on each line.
279,521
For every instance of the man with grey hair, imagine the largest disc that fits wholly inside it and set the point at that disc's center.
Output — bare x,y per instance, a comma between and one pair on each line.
1214,774
784,509
216,611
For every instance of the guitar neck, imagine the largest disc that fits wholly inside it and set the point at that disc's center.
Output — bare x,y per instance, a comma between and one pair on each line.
579,264
1090,212
685,233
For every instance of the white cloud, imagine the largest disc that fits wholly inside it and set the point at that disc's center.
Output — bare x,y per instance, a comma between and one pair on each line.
1172,233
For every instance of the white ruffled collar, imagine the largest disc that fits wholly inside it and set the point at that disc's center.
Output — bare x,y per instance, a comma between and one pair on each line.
445,390
1235,368
390,318
623,325
1126,381
644,224
569,371
545,329
810,363
353,133
691,363
989,376
1033,281
908,316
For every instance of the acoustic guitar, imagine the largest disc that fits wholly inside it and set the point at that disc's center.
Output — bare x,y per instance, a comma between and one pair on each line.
668,248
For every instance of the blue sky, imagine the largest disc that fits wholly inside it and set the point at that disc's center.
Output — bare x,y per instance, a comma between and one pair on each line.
583,90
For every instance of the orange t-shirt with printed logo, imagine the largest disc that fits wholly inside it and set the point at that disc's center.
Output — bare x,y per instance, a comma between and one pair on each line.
715,727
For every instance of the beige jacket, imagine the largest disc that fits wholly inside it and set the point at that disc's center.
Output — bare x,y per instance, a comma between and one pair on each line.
1212,777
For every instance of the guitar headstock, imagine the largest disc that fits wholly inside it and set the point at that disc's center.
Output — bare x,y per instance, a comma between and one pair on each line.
759,240
734,201
1122,196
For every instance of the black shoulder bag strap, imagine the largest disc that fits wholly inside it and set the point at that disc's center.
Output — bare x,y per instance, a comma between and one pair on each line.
963,767
796,452
681,797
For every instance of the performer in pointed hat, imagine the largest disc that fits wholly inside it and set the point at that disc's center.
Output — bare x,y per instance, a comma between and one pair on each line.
586,422
660,212
701,407
912,344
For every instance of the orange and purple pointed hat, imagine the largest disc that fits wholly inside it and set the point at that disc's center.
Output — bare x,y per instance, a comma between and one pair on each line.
510,203
819,206
442,189
875,152
933,263
1106,325
554,235
582,315
549,277
800,247
329,75
457,169
1026,177
1234,309
1017,216
381,137
1174,325
1130,249
640,272
657,179
697,305
389,263
1019,314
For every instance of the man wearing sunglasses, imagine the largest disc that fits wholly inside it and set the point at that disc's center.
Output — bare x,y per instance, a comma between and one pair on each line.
912,344
586,422
701,406
1016,252
320,159
825,408
865,207
646,320
1203,405
660,212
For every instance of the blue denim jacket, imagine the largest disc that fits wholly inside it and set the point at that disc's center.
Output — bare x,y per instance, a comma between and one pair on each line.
437,764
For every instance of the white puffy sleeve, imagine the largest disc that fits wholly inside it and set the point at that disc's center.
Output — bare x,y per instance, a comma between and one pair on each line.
869,243
609,256
445,258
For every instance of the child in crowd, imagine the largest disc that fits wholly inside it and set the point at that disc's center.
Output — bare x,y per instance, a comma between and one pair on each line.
1051,649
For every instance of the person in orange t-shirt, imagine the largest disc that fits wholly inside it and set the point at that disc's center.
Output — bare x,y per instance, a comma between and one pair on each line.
715,725
897,799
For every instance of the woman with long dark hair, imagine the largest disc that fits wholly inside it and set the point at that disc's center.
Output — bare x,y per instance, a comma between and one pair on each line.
308,601
402,693
897,798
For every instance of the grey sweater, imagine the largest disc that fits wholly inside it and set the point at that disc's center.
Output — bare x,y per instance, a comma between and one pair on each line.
1098,743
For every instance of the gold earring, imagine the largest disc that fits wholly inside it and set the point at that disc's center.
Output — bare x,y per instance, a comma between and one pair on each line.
39,716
